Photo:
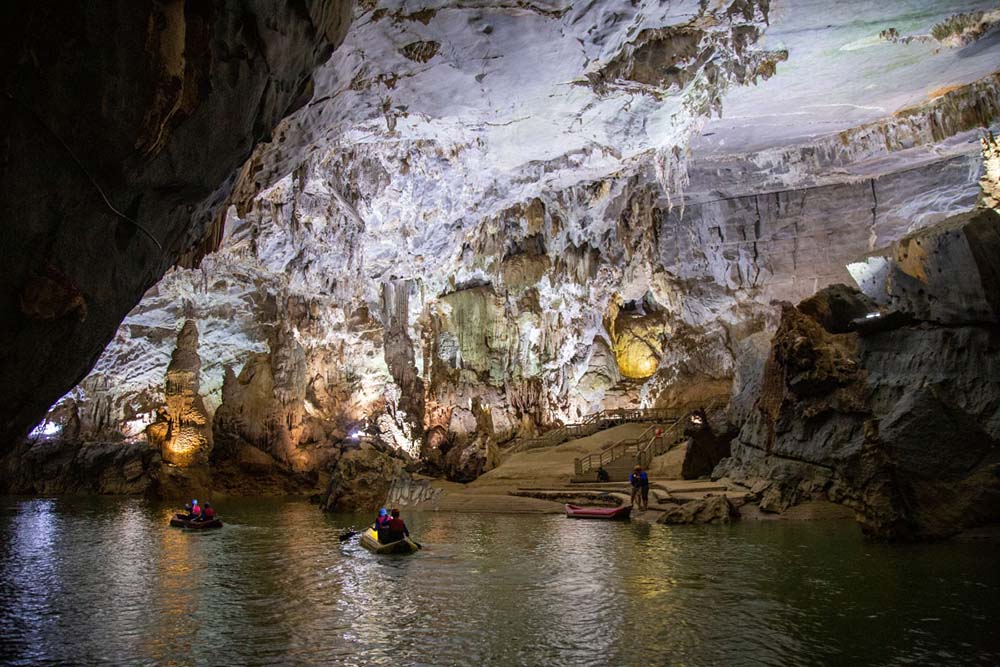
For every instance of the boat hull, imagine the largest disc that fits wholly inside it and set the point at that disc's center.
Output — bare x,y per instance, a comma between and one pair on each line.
620,513
369,540
178,522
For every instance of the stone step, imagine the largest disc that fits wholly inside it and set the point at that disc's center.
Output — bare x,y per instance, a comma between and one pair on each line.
689,496
487,503
656,491
693,486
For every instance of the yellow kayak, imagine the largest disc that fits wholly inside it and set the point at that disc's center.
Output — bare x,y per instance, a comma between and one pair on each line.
369,540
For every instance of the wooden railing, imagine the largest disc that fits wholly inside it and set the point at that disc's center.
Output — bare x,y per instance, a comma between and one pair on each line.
645,447
657,438
661,444
596,422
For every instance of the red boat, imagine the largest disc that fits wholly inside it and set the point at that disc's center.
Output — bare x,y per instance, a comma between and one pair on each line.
579,512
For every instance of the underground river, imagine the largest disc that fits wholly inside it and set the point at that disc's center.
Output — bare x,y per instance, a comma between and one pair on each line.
104,581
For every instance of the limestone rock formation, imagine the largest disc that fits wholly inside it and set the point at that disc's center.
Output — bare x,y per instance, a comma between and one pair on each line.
900,424
361,479
705,448
125,123
948,273
75,468
989,183
713,509
184,432
265,442
484,220
638,340
407,490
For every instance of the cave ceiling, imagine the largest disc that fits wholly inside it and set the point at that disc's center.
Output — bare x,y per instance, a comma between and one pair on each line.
585,177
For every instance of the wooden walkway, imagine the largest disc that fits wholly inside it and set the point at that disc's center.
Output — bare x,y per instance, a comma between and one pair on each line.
619,458
597,422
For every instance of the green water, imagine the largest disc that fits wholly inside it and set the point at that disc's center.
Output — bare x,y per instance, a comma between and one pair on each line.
105,581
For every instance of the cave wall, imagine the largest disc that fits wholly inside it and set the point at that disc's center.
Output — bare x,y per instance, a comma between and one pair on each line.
894,415
438,254
124,125
526,323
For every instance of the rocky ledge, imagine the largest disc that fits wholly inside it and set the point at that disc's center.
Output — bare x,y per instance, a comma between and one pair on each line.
886,400
58,467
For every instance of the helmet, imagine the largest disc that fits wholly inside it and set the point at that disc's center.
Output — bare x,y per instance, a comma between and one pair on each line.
382,512
194,502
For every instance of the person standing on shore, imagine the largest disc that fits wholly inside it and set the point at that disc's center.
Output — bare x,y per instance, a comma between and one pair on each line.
640,488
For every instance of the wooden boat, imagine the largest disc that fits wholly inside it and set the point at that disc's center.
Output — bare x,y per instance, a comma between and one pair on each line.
621,512
180,522
369,540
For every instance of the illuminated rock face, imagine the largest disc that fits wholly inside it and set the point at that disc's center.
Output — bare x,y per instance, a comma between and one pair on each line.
990,181
638,340
947,273
184,434
492,219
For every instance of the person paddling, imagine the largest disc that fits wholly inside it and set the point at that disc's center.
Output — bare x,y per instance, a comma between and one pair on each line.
208,513
396,530
194,511
382,523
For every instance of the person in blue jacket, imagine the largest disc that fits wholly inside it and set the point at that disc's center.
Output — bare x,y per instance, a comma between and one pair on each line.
640,487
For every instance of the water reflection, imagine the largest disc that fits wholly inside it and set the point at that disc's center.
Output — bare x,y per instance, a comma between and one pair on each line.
31,584
585,583
174,580
104,581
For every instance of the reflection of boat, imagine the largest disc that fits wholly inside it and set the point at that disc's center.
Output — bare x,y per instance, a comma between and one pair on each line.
369,540
580,512
179,521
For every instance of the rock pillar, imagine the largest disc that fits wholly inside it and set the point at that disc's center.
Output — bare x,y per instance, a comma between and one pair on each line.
183,430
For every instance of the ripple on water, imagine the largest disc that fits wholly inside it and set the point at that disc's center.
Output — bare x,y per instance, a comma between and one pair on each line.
103,581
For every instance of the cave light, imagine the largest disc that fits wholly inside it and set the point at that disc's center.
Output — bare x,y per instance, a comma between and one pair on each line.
869,274
136,428
46,429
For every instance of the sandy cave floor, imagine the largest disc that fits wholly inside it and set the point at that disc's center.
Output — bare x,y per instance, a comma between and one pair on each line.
548,470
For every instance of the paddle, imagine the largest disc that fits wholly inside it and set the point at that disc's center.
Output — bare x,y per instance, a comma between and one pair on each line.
348,534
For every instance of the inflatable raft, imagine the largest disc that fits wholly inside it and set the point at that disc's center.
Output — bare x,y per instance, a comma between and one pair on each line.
369,540
180,522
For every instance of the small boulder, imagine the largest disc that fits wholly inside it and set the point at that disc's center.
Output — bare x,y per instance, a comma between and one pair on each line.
360,480
836,307
713,509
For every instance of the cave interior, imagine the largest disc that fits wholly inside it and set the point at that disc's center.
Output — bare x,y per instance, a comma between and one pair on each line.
347,248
